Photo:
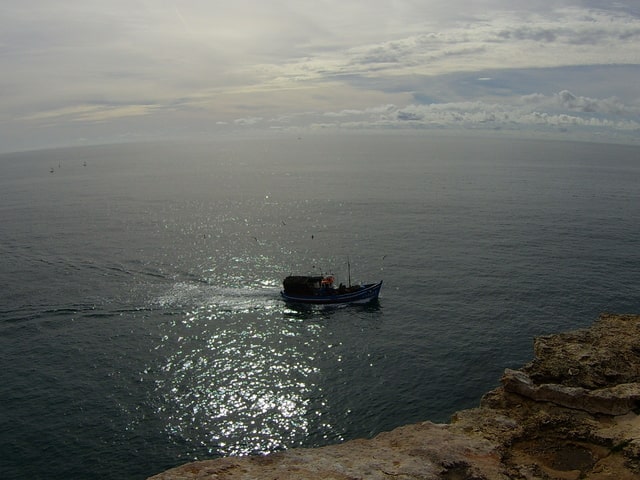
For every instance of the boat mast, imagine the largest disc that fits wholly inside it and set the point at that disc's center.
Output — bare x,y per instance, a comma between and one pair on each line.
349,270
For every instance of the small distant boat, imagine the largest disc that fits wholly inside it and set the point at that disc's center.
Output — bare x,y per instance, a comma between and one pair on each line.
319,290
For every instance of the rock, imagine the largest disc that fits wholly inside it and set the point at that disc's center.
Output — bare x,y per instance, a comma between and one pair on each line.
568,414
615,400
425,450
606,354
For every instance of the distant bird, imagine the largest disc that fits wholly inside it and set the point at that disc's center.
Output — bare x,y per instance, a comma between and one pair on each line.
283,222
312,237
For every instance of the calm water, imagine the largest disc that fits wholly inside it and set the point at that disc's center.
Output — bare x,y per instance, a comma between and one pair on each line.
140,324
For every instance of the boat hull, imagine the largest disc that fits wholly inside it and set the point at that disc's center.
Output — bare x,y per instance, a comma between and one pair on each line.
366,294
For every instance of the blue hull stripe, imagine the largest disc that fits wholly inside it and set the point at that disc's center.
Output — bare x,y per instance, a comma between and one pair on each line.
369,292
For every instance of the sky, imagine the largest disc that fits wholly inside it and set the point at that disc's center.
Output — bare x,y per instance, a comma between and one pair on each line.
78,72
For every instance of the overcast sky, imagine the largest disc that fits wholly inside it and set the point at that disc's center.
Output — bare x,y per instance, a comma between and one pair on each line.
87,71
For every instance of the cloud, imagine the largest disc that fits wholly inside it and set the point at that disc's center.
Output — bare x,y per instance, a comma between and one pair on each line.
560,111
248,121
210,63
92,113
592,105
555,39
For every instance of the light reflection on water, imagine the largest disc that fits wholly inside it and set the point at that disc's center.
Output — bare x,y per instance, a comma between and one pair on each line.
239,372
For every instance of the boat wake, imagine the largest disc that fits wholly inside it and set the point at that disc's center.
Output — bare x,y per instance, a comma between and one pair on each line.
187,295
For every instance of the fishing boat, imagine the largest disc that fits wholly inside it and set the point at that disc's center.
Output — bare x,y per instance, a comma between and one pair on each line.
320,290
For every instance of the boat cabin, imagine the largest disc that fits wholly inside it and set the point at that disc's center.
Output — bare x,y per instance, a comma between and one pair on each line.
307,285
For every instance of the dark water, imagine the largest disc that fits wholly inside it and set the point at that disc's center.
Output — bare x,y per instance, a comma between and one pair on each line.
140,324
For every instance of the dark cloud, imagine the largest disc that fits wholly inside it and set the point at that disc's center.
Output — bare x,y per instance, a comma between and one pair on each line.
405,115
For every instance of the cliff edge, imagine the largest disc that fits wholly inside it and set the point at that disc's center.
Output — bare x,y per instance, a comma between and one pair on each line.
571,413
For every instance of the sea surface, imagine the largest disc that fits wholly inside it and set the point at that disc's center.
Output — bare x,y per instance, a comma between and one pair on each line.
140,319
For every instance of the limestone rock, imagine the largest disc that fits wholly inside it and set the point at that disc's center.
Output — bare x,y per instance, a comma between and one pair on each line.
615,400
569,414
606,354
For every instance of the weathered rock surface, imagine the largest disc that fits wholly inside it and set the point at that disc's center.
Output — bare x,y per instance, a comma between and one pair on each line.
572,413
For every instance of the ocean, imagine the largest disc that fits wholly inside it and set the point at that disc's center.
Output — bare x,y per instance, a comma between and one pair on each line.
140,319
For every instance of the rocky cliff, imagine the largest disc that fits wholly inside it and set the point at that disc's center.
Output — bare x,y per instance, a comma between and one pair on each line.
572,413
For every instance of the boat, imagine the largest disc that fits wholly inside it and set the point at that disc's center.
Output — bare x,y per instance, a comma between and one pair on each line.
320,290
